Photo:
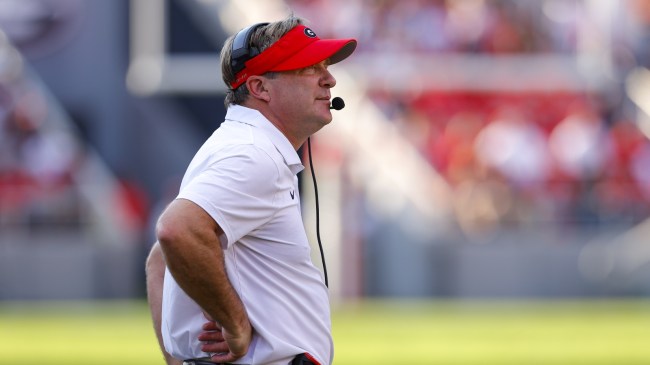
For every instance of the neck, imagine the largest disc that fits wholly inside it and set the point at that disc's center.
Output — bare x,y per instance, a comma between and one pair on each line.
280,124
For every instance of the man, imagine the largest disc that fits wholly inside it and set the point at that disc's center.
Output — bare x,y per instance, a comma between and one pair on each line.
239,284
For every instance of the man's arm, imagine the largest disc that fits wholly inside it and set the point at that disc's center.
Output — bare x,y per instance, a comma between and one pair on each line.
155,270
189,239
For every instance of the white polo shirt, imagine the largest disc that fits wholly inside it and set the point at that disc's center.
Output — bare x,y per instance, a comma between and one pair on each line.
244,176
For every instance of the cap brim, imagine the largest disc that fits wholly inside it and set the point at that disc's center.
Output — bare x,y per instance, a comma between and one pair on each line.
336,50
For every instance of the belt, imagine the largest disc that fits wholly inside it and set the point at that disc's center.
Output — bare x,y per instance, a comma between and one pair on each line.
301,359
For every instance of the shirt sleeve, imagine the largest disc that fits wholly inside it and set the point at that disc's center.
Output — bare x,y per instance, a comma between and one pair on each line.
238,191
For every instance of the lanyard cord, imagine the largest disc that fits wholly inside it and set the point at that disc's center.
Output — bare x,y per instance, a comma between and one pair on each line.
320,245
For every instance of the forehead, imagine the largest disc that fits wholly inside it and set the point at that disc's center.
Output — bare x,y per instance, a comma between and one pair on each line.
324,64
307,70
321,63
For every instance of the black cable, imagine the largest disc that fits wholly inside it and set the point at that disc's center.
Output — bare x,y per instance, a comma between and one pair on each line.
320,245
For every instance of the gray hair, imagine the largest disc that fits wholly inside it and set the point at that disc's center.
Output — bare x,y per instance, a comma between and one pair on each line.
263,37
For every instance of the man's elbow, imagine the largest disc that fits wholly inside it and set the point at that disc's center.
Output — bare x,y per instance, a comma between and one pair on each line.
182,224
155,261
167,232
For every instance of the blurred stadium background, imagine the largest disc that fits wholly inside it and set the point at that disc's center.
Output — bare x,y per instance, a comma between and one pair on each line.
490,150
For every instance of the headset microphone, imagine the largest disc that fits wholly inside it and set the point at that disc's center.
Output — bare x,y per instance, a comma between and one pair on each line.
337,103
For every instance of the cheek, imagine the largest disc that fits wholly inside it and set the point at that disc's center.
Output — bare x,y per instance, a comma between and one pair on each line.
292,105
296,98
299,100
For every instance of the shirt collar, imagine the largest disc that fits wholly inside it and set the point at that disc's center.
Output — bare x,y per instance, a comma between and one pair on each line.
254,118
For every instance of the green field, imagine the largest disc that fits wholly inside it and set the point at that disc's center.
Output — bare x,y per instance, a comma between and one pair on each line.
372,332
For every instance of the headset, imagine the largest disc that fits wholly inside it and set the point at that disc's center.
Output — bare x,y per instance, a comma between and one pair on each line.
241,51
320,245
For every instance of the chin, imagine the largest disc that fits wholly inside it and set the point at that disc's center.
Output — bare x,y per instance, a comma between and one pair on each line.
321,122
327,121
325,117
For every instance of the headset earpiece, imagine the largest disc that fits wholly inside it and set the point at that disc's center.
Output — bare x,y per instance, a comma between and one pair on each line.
241,50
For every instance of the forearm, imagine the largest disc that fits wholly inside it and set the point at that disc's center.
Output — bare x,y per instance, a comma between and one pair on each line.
201,273
190,242
155,270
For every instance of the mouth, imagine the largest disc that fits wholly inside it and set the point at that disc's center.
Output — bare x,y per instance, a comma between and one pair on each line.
327,100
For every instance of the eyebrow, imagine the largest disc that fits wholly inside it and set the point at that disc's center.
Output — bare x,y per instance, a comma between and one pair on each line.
325,63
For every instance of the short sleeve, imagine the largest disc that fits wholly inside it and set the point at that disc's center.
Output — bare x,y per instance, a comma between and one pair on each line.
237,191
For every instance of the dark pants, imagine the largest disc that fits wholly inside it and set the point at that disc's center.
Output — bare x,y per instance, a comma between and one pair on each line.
302,359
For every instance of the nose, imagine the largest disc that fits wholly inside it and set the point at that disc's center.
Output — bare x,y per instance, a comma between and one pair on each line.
328,79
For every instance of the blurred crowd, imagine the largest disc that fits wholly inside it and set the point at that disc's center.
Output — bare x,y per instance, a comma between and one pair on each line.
36,162
448,25
511,158
483,26
531,159
567,158
41,156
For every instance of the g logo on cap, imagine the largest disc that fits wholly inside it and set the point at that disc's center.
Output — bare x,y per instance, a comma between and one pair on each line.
310,33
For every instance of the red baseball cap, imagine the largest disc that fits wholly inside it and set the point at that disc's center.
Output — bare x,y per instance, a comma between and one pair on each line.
298,48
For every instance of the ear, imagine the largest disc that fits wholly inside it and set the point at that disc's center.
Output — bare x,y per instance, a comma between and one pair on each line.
258,88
